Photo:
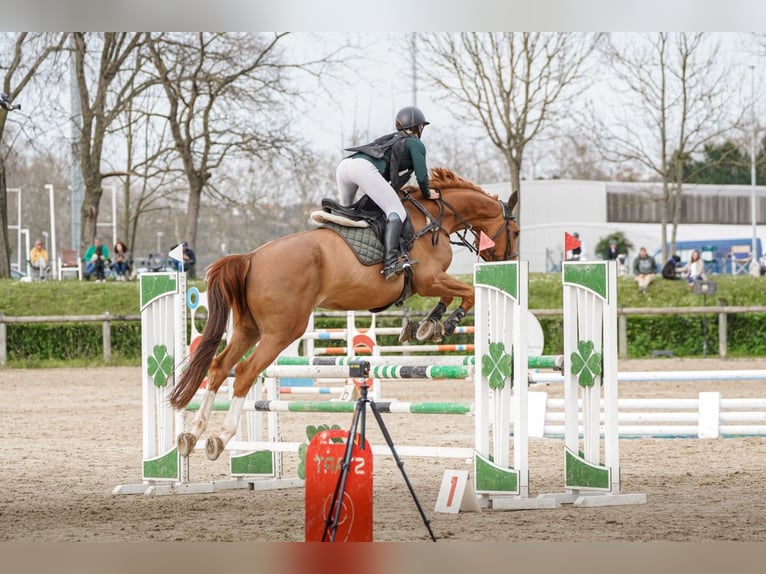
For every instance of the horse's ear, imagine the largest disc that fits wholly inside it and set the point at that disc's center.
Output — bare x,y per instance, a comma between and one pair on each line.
513,200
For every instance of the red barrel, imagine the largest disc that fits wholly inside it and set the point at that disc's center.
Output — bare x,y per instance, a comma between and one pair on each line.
324,459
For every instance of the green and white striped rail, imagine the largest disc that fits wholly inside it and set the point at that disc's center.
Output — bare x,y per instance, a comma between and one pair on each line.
376,371
278,406
554,362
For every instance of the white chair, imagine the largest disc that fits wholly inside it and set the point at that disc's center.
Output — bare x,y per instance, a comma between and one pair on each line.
740,257
69,264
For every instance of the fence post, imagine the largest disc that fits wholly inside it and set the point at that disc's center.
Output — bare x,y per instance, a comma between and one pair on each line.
107,336
622,331
723,345
3,342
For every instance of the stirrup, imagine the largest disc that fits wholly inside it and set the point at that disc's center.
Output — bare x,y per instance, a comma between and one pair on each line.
408,263
392,270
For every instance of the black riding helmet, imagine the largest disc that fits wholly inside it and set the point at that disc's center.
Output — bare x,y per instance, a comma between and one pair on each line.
409,118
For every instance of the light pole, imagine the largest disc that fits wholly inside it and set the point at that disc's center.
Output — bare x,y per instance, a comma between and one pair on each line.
753,218
159,240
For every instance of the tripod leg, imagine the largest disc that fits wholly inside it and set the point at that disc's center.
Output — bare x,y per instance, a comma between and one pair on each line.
400,464
333,514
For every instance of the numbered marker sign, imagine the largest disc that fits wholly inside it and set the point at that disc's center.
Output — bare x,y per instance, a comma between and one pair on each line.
324,461
456,493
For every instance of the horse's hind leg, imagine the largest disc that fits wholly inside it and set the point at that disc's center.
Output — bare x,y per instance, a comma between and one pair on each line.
247,371
219,371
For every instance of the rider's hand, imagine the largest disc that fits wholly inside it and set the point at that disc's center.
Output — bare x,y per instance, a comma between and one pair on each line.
434,194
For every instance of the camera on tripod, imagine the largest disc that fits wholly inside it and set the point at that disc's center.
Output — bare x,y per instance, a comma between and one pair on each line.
6,103
358,369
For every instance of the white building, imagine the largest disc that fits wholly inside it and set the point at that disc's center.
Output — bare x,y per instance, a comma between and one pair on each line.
593,209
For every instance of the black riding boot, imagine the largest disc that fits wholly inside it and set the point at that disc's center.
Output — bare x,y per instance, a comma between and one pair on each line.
392,266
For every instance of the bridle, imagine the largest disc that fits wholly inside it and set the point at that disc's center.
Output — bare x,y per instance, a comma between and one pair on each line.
435,225
507,255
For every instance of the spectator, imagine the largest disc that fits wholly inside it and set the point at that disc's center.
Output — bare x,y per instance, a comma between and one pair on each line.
38,259
645,268
577,253
189,258
670,269
121,261
95,259
694,270
613,252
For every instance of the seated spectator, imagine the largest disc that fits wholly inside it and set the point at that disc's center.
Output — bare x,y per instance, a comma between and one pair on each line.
670,269
38,259
645,268
122,261
189,258
694,270
95,259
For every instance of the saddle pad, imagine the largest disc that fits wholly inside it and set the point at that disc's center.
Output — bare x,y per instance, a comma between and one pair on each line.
362,240
321,217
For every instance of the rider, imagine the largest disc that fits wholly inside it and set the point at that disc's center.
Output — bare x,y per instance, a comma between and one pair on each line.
377,169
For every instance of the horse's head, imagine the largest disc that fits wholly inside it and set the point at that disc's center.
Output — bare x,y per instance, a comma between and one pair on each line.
506,237
472,209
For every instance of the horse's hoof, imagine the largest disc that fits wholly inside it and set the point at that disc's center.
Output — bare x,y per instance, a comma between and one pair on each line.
426,330
213,447
186,442
409,330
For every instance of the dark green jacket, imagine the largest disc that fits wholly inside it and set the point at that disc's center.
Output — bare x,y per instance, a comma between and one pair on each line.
413,158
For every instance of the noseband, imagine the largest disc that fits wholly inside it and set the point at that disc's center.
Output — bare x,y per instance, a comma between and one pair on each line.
507,255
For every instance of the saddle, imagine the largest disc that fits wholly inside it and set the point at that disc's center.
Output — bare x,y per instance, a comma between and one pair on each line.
362,225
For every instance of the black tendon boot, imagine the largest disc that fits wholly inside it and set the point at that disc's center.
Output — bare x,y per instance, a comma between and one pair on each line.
392,266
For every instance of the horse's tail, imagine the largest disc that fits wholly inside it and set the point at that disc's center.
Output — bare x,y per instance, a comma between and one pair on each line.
226,290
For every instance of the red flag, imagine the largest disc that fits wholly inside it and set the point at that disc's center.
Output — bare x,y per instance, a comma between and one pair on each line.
570,242
485,242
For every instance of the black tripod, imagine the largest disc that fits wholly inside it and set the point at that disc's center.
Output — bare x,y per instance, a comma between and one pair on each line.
360,370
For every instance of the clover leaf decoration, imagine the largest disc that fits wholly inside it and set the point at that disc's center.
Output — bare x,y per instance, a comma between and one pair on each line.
311,432
160,365
586,363
497,366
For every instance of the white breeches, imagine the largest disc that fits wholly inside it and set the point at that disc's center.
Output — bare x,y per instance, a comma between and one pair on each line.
358,173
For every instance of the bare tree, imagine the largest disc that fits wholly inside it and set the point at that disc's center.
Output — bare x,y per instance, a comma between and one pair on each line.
227,95
28,53
512,85
105,84
150,185
677,97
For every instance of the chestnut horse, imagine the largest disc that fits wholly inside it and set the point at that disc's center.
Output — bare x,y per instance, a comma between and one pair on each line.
273,290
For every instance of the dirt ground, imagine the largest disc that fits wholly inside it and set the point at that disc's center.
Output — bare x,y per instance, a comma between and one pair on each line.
70,436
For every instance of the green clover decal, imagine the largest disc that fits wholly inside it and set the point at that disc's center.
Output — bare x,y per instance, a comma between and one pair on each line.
311,432
586,364
497,366
160,365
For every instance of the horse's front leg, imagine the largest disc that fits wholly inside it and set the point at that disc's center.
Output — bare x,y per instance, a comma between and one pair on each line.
429,328
454,318
446,288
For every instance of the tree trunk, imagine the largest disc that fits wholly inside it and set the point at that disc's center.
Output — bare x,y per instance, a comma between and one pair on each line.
5,248
89,212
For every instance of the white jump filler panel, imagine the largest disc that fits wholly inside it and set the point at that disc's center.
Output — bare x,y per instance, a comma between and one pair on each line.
590,381
501,311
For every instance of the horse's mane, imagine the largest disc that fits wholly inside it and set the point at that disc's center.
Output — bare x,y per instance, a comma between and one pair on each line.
443,178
